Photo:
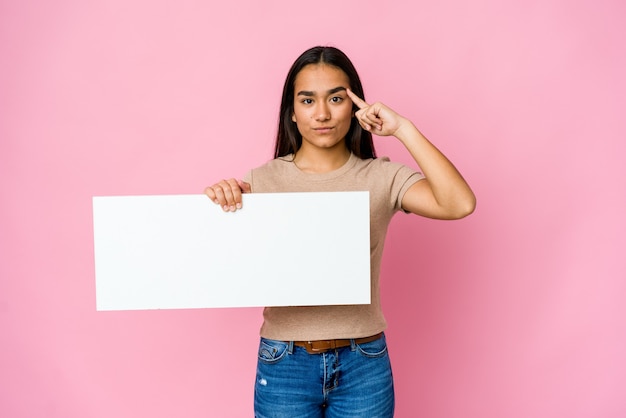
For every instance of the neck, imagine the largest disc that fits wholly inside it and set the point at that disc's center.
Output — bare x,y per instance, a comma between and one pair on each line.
320,160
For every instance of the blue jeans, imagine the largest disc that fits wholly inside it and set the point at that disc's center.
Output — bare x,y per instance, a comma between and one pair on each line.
353,381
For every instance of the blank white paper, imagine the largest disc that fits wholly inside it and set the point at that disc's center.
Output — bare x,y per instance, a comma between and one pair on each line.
183,251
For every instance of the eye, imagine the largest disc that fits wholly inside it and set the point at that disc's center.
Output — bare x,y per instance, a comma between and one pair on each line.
306,101
336,99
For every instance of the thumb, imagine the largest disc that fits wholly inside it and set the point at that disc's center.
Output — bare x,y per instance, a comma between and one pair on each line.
245,187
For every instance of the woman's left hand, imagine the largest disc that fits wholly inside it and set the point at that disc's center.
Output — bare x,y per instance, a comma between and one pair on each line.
443,194
376,118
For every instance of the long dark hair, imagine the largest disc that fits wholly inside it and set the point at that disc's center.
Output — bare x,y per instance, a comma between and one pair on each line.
288,140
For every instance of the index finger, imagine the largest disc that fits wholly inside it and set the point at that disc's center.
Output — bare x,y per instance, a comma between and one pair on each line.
361,104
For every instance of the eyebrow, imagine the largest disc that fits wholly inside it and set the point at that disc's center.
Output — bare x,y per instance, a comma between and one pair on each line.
311,93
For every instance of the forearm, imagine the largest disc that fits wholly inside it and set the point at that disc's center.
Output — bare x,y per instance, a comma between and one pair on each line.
450,191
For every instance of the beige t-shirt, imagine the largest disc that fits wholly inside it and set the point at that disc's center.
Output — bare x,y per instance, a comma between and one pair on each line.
387,182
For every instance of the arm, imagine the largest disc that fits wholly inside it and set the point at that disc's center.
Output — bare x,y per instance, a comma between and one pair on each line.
444,194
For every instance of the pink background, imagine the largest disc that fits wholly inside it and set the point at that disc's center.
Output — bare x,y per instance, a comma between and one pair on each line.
516,311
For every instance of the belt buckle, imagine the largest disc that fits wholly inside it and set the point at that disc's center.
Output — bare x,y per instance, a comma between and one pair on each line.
311,349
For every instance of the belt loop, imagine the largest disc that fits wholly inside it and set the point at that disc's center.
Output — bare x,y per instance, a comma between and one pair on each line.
290,348
352,344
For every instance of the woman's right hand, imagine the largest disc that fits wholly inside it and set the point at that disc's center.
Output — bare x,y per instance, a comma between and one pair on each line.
227,193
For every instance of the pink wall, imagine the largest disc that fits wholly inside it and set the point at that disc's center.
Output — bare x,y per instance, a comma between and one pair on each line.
514,312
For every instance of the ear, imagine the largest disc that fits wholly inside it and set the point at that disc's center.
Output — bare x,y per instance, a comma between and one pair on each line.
293,117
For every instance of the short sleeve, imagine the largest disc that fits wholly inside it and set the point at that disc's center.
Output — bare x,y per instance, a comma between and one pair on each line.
400,177
411,180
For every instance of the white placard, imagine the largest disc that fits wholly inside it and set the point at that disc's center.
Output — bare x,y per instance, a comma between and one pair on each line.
183,251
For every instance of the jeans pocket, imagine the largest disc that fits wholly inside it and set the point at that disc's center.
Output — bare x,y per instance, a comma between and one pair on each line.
272,351
373,349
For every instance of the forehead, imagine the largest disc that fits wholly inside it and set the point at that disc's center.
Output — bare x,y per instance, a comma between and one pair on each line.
320,77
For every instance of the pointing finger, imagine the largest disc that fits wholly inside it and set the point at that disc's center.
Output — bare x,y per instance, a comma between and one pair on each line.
361,104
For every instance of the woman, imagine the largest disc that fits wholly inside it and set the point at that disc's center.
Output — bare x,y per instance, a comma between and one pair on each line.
332,361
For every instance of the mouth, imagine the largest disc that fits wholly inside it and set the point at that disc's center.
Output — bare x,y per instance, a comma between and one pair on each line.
323,129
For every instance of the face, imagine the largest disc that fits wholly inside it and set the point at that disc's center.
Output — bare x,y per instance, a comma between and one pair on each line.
322,109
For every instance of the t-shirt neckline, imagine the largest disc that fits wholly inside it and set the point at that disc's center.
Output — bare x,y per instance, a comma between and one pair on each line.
352,160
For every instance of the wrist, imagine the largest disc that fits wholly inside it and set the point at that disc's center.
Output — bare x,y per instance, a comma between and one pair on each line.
406,131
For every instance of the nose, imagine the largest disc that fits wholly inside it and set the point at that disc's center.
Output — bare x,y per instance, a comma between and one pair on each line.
321,111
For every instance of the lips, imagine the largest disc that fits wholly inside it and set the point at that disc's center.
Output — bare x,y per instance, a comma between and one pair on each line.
323,129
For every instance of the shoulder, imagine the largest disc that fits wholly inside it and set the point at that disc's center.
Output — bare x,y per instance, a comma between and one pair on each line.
389,178
383,166
275,166
269,176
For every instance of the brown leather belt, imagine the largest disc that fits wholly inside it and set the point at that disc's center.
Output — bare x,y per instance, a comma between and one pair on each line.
321,346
